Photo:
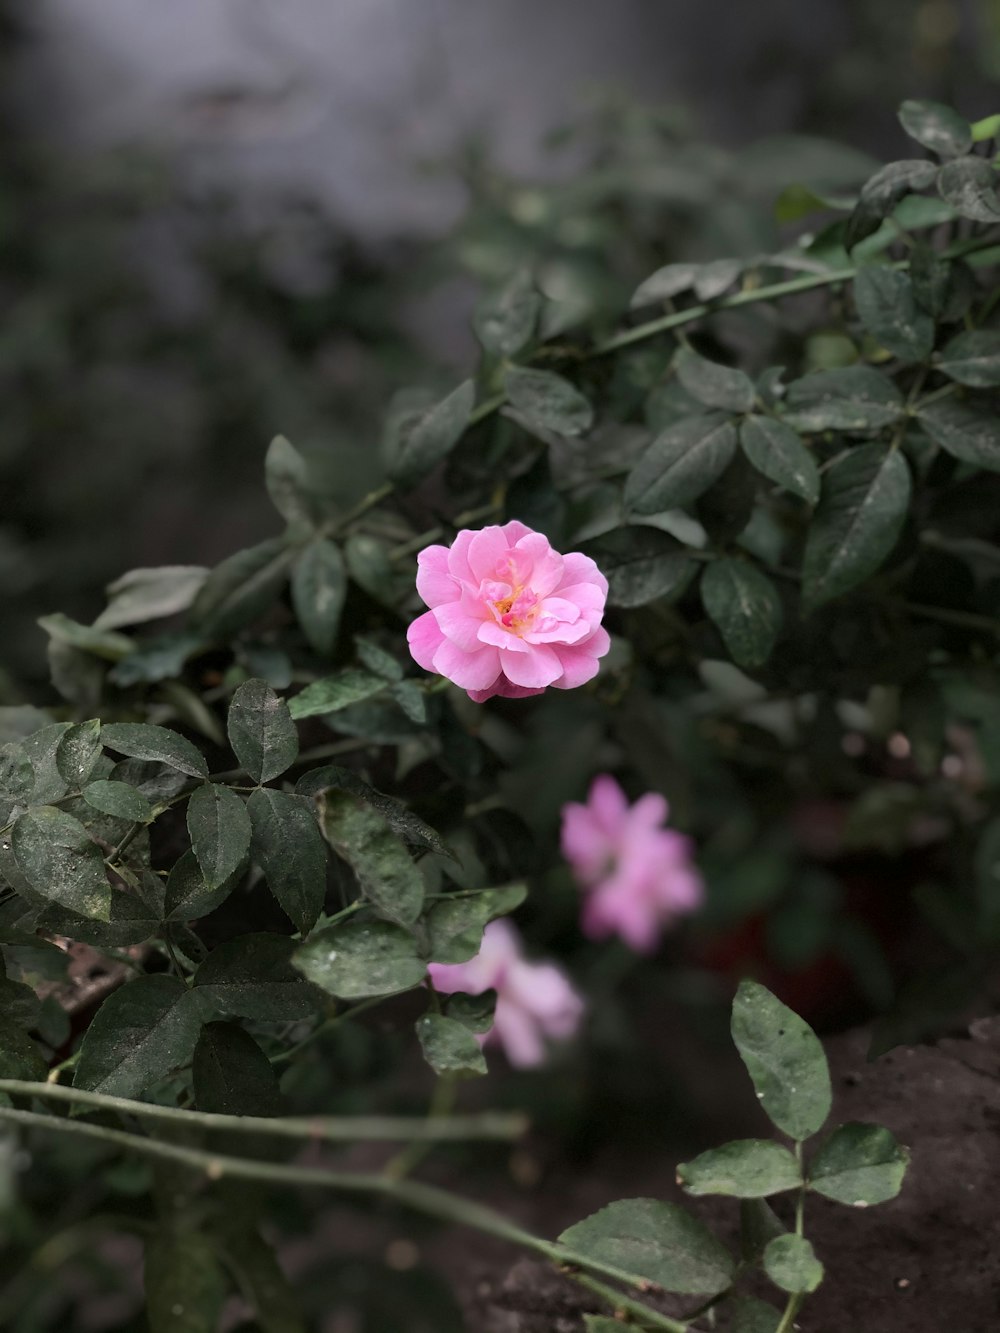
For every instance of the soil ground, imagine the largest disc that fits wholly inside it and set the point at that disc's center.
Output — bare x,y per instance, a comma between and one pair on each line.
927,1262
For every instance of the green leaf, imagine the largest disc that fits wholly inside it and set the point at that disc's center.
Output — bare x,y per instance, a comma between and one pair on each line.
504,320
119,800
411,699
370,567
547,400
882,192
319,587
252,977
286,475
101,643
475,1012
41,747
60,861
777,453
188,895
455,925
753,1316
714,385
387,875
410,827
743,604
759,1224
376,659
17,777
664,284
746,1169
150,594
859,1164
219,827
232,1075
131,920
288,847
359,958
856,398
427,440
78,751
656,1241
19,1056
449,1047
241,588
937,127
139,740
641,565
261,731
969,184
18,1002
866,495
334,692
966,430
140,1034
791,1264
681,463
185,1285
260,1275
888,309
785,1060
598,1323
973,358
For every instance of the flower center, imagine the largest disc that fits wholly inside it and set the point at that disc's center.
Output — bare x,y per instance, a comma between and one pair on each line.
517,610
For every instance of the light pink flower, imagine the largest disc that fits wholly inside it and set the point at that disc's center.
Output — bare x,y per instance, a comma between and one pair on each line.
637,876
509,615
534,1000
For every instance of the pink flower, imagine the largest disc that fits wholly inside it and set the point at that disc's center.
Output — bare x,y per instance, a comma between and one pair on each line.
637,876
534,1000
508,615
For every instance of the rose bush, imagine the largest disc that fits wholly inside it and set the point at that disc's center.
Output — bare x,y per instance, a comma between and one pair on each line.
774,472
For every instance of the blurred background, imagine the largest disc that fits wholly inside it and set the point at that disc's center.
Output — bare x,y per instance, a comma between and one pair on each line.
221,219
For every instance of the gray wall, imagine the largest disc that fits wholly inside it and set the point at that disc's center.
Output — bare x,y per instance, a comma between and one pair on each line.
350,97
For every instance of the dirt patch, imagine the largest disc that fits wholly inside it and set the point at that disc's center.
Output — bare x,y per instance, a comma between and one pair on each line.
926,1262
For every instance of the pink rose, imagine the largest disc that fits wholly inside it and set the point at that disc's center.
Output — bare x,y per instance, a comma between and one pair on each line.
637,876
508,615
534,1000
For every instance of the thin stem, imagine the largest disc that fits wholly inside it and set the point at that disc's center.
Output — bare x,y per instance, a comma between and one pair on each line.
678,318
627,1305
175,961
788,1317
325,1129
367,502
442,1104
800,1202
330,1023
426,1199
329,751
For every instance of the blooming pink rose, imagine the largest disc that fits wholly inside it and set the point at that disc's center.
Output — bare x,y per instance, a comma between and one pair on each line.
534,1000
637,876
508,614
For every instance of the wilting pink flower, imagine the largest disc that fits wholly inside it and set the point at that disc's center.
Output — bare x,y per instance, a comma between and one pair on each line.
508,615
637,876
534,1000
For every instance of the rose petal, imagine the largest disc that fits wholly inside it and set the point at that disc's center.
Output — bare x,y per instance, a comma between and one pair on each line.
458,626
425,638
472,671
539,667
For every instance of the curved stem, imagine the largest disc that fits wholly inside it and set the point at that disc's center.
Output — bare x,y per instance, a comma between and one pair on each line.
327,1129
427,1199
